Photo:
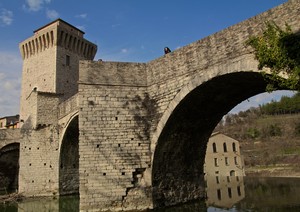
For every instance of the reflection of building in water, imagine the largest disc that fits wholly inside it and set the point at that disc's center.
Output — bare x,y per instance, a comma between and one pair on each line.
224,171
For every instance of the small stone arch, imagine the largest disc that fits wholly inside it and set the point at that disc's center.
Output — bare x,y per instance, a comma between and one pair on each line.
9,167
69,159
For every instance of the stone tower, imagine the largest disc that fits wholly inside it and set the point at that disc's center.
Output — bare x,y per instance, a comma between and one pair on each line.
51,66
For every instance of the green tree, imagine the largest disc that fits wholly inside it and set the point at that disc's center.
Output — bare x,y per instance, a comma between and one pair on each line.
278,50
252,133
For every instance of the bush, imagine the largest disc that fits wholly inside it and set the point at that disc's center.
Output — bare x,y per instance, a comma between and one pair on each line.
252,133
275,130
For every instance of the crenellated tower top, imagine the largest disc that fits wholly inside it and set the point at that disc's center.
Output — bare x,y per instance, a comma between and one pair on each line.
58,33
51,65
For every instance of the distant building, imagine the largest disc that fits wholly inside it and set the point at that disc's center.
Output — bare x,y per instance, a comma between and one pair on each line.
9,122
224,171
223,157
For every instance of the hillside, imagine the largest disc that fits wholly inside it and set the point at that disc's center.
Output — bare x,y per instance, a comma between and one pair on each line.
270,144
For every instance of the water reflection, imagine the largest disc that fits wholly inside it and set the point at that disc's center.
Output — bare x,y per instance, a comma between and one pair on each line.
239,194
224,191
271,194
62,204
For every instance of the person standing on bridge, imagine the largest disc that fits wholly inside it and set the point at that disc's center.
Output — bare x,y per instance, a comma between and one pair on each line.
167,50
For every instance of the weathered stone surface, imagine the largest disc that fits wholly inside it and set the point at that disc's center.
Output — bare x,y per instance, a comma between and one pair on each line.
143,127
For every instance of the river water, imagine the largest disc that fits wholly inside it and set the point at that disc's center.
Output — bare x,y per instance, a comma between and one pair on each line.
239,194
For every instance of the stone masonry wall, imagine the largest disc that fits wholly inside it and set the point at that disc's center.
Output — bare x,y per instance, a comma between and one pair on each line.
39,161
9,136
47,112
113,143
39,147
42,67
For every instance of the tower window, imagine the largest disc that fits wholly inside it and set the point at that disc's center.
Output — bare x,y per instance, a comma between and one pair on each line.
224,147
233,147
216,162
226,161
67,60
214,147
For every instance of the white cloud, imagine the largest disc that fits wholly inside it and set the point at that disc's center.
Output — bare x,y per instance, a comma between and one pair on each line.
124,51
36,5
9,59
10,83
52,14
6,17
83,15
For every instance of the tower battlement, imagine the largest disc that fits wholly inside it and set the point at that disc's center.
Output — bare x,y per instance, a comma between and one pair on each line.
51,64
58,33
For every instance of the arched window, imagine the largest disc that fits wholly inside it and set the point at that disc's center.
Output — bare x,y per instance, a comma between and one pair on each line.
224,147
214,147
233,147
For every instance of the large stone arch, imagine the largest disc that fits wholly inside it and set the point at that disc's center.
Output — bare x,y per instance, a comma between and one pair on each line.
9,167
179,144
69,159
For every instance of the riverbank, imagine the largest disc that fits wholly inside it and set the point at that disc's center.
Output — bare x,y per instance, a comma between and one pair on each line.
13,197
273,171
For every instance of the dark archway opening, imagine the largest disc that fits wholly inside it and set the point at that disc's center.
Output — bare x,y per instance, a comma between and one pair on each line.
69,160
177,174
9,168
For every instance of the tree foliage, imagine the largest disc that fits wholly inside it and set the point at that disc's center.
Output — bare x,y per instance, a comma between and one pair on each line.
286,105
278,50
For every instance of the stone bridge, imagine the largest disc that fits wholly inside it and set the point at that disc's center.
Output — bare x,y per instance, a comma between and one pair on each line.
135,134
146,125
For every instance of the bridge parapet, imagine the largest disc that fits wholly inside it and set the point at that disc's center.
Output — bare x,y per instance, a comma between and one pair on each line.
9,136
67,107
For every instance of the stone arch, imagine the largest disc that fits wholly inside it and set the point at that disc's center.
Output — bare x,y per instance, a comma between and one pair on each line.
69,159
9,167
179,145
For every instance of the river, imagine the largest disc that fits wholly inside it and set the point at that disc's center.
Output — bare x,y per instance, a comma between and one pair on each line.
243,194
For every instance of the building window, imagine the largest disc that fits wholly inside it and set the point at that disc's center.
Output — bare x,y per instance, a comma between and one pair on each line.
239,190
233,147
224,147
219,194
229,193
226,161
67,60
214,147
235,160
216,162
217,179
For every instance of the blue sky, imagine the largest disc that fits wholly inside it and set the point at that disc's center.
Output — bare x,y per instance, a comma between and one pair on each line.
124,30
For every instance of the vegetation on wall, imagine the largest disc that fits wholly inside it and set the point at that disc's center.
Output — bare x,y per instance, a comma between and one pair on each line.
279,50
